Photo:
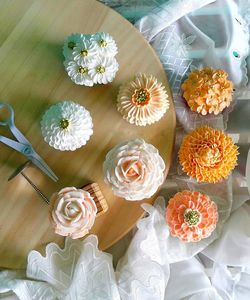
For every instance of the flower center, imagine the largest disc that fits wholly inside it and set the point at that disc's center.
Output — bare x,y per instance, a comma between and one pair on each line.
103,43
71,210
64,123
132,170
141,97
71,45
84,52
208,156
191,217
82,70
100,69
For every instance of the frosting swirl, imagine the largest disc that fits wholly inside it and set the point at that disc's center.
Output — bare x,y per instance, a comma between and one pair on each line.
73,212
134,169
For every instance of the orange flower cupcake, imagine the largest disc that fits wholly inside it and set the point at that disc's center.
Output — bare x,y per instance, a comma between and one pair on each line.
208,91
191,216
143,101
208,155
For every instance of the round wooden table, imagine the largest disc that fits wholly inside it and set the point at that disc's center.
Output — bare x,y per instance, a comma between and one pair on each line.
32,78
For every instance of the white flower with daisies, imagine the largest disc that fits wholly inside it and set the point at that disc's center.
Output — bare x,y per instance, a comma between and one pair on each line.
90,59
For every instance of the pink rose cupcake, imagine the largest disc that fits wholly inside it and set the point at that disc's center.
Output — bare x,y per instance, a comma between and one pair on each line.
73,212
191,216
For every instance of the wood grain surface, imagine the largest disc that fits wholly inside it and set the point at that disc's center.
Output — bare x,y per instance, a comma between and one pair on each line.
32,78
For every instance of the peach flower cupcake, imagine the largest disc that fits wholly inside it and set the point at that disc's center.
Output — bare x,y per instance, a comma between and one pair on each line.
191,216
208,91
134,170
208,155
142,101
73,212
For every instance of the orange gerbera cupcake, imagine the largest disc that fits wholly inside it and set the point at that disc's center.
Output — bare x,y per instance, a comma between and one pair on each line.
208,155
208,91
191,216
142,101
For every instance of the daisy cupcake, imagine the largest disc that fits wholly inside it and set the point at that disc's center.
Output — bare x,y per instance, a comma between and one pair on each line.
84,51
103,70
104,43
79,73
70,43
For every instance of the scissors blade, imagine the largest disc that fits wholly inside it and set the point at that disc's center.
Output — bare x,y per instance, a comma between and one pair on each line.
18,134
41,164
13,144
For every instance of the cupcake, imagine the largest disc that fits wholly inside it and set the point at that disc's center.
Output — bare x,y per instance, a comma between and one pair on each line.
70,43
208,155
142,101
73,212
66,126
208,91
90,59
134,170
191,216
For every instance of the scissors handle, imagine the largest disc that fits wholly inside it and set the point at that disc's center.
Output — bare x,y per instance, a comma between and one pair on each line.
9,121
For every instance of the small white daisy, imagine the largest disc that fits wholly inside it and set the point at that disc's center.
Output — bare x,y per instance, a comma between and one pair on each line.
79,73
70,43
105,44
66,126
103,70
84,51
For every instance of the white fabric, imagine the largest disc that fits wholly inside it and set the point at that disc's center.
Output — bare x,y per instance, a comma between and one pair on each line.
156,265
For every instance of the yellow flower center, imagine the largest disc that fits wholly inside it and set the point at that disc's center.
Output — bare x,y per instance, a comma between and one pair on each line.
141,97
84,52
82,70
100,69
103,43
191,217
64,123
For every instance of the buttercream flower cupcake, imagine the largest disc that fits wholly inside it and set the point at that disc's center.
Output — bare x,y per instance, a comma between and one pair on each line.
79,73
208,91
208,155
66,126
84,51
134,170
70,43
104,43
191,216
103,70
142,101
73,212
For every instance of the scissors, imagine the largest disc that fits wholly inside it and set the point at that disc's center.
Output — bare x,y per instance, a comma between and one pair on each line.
22,145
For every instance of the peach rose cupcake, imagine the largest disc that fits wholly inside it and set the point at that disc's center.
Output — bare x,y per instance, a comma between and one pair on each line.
134,170
191,216
73,212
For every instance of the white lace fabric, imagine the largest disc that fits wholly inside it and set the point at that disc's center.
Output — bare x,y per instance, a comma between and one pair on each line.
157,266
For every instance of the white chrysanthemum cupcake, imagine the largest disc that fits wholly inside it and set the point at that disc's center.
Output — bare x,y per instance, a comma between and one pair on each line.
134,170
105,44
66,126
85,51
70,43
79,73
103,70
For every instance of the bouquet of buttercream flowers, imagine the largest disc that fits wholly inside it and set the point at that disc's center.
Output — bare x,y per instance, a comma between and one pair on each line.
90,59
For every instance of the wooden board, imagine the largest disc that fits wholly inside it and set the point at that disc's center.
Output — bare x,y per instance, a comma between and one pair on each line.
32,78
